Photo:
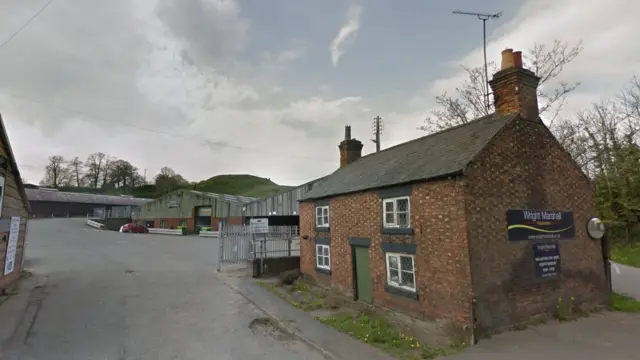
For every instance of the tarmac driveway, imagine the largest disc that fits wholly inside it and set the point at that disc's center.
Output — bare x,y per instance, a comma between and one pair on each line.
119,296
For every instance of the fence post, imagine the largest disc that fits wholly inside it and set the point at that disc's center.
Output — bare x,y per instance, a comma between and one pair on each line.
221,246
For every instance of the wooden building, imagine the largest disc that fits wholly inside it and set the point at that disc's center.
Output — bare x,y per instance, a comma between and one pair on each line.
14,212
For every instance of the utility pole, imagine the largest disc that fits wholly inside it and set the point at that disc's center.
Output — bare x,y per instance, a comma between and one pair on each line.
377,130
145,176
484,17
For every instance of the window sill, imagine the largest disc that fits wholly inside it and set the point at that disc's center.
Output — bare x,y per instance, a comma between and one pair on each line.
401,292
397,231
323,229
323,271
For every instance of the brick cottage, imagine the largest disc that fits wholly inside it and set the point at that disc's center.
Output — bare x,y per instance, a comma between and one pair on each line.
422,227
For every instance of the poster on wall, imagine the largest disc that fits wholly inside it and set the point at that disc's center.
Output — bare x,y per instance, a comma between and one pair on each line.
525,225
547,259
12,245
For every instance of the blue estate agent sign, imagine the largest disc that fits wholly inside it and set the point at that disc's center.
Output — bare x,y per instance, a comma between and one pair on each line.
540,225
547,259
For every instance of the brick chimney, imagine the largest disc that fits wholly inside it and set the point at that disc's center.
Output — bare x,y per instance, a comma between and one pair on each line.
515,88
350,149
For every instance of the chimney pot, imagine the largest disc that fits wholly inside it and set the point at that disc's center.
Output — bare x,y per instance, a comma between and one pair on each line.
507,59
347,132
350,149
515,88
517,59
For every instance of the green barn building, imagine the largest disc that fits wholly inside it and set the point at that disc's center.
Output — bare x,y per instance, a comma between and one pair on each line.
193,209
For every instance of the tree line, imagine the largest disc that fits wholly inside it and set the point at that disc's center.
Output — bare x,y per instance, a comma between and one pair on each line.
109,175
603,139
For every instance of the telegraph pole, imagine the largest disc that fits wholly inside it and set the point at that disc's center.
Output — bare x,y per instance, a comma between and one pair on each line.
377,130
484,17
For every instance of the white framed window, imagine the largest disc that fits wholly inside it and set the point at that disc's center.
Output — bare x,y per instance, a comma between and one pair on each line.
396,213
323,257
322,216
400,271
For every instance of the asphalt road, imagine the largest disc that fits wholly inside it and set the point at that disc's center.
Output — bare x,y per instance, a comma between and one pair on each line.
626,280
137,296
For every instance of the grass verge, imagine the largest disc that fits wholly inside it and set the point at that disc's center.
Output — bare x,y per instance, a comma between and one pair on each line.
628,254
378,332
624,303
300,295
366,326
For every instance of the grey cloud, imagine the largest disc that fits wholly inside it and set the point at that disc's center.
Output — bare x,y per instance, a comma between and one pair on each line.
312,130
82,56
216,145
213,32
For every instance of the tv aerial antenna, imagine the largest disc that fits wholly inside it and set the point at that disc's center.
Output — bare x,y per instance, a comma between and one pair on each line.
484,17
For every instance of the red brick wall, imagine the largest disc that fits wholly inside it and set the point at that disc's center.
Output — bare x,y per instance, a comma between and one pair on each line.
441,261
173,222
526,168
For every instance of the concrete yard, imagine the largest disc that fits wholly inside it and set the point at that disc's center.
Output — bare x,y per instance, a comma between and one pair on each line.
115,296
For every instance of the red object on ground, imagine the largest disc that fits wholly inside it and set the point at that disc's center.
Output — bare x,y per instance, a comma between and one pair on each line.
134,228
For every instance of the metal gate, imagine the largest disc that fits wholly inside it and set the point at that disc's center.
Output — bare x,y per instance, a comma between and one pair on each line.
239,246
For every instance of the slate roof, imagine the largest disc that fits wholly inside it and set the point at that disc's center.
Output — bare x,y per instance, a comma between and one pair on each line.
69,197
439,154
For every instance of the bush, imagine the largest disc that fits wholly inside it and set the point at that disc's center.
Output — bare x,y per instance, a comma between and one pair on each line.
289,277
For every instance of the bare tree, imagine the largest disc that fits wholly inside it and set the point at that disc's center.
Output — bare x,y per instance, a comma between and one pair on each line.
167,180
467,102
604,139
94,166
74,168
107,167
124,176
56,172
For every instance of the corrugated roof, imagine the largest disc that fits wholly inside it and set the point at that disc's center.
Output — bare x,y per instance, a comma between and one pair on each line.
226,197
61,196
445,152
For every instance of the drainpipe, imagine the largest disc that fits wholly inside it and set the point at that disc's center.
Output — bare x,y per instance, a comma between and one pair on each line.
474,320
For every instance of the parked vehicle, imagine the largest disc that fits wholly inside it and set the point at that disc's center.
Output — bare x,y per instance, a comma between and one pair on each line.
133,228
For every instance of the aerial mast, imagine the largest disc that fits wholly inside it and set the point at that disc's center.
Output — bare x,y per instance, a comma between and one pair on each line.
484,17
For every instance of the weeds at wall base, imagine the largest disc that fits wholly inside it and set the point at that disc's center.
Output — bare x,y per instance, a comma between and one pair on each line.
356,320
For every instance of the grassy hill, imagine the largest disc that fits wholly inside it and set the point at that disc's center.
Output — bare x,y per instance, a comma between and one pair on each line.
245,185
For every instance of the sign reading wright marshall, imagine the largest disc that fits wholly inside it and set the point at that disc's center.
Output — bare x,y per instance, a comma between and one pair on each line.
540,225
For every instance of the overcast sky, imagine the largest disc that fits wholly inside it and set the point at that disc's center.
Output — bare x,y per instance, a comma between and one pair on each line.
211,87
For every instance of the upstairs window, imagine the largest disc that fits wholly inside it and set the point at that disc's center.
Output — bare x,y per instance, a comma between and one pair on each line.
396,212
322,216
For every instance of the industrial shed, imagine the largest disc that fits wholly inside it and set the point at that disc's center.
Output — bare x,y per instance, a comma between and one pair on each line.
282,208
193,209
46,202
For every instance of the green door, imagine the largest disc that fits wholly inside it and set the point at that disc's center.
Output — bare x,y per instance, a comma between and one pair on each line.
363,274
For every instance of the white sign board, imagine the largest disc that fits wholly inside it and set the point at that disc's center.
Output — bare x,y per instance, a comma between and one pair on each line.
12,245
259,226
